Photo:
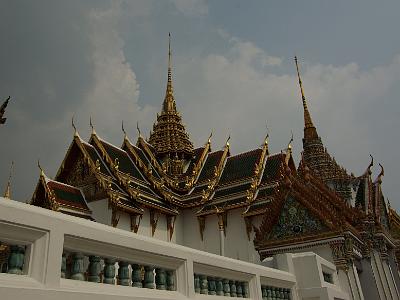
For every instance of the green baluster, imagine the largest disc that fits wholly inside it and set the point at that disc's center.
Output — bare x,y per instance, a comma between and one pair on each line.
16,260
227,287
239,292
197,283
245,290
94,268
123,273
219,287
63,265
203,284
273,293
269,293
136,276
281,294
149,277
233,288
171,280
211,285
287,294
109,271
264,292
77,269
161,279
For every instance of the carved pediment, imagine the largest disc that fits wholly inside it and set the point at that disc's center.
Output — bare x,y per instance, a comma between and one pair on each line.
295,220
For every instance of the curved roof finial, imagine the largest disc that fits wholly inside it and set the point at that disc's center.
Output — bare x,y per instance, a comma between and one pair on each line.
7,192
73,126
267,136
40,167
368,171
123,129
289,147
227,141
91,125
209,138
138,129
381,174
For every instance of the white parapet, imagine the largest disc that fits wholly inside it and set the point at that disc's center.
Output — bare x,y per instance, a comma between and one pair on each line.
46,235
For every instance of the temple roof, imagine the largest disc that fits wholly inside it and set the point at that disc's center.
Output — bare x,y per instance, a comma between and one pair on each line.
316,156
60,197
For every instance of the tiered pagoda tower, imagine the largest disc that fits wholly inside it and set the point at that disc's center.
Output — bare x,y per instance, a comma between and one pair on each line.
316,157
169,137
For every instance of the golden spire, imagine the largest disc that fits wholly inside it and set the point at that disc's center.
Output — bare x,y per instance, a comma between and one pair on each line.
7,192
169,101
309,129
169,137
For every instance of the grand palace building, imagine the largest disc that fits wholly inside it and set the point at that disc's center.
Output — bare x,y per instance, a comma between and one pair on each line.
255,207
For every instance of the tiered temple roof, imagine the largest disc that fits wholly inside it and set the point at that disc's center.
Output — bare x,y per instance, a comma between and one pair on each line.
316,202
169,137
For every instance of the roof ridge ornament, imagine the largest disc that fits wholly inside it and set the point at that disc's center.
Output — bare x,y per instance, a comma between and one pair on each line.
381,174
7,192
40,168
138,129
3,110
91,126
123,130
74,127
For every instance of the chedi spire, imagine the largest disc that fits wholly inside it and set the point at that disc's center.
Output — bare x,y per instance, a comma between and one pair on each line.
310,132
169,137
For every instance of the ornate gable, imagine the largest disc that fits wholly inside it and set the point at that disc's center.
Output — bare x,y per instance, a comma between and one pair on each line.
295,220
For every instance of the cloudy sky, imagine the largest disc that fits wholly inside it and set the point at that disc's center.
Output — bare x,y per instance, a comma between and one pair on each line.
233,73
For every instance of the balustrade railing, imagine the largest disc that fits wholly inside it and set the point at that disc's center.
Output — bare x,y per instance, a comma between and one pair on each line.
12,259
93,268
61,256
274,293
210,285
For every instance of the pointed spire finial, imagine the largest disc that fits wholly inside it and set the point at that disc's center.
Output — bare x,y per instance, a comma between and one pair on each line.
169,102
7,192
309,129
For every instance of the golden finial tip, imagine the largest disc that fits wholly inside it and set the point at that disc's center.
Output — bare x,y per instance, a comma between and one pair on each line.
73,126
138,129
40,167
123,129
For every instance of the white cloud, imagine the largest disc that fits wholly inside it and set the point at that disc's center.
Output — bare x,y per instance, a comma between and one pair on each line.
232,94
191,8
115,92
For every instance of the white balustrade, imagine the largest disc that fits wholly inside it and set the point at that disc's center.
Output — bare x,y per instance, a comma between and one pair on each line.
69,257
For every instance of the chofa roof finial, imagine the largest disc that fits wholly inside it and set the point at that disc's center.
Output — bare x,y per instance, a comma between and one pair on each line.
7,192
73,126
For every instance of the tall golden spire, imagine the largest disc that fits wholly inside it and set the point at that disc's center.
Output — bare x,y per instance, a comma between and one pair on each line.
169,137
7,192
169,101
309,129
